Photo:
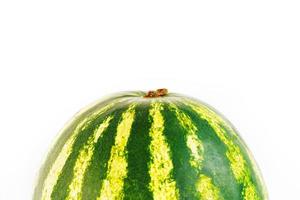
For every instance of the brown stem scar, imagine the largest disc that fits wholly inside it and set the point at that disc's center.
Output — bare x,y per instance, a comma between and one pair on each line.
158,93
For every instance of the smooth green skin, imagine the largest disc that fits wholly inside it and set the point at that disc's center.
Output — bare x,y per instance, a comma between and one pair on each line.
136,184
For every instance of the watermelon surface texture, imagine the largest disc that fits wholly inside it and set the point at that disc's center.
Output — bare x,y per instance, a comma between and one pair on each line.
143,146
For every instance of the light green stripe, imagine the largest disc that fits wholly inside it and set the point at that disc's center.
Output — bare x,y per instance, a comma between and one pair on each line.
83,162
65,152
162,184
207,190
112,188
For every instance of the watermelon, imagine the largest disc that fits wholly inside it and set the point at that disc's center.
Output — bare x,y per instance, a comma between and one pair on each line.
155,145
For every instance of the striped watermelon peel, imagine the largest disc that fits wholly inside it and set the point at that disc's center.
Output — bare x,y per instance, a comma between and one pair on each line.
155,145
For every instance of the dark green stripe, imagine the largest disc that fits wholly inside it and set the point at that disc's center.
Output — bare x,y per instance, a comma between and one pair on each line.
215,163
138,156
96,172
184,174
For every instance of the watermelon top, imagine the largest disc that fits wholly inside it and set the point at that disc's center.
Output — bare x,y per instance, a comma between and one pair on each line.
137,145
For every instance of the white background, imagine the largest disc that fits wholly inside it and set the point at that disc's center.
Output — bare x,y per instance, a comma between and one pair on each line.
241,57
